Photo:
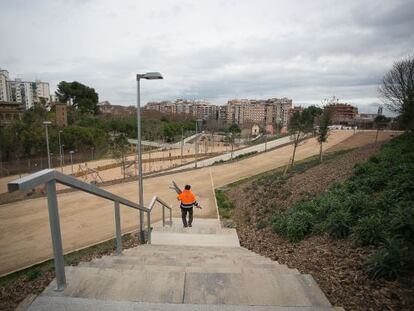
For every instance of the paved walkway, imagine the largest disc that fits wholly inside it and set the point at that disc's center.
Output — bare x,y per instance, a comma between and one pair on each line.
86,220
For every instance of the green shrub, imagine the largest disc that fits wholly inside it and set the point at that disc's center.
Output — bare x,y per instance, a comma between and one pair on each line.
294,225
393,260
402,221
375,205
338,224
370,230
33,274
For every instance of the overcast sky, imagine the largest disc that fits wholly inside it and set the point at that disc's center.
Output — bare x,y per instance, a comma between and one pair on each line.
214,50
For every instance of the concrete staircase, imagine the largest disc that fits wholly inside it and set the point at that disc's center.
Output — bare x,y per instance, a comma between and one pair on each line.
198,268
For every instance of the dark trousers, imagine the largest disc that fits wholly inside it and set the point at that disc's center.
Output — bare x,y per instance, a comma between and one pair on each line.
184,212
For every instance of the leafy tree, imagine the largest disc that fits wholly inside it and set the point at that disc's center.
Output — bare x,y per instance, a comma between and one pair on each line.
381,123
300,125
234,128
315,111
82,97
232,132
397,90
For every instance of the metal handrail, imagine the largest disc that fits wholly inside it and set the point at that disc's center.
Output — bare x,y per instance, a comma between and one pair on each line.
50,177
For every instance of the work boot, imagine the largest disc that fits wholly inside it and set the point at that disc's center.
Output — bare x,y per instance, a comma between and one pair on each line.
190,225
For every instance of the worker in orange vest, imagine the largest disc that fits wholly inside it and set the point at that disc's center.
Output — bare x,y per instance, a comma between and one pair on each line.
188,201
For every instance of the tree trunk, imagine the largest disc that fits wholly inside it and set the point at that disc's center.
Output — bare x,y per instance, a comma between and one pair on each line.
320,152
376,136
294,151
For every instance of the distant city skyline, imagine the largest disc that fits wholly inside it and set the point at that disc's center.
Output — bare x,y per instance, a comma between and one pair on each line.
212,50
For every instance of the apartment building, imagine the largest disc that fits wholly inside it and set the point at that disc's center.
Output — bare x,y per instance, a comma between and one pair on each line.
163,106
10,112
106,108
4,77
27,93
204,110
263,112
222,113
198,109
344,113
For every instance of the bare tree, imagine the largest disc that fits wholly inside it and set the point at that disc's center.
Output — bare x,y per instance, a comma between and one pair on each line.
324,120
397,91
381,123
119,148
300,125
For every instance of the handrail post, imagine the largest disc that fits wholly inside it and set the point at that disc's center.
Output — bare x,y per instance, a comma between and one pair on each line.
118,229
171,217
163,215
52,206
149,227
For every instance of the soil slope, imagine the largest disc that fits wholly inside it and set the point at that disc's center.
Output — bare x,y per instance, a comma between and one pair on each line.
336,265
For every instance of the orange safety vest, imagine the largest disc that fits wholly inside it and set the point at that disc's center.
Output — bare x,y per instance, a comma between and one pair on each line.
187,199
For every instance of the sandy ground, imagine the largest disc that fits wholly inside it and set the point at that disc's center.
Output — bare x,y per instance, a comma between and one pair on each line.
116,173
364,137
85,219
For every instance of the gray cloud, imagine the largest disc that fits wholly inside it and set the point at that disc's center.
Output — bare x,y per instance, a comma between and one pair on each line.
215,50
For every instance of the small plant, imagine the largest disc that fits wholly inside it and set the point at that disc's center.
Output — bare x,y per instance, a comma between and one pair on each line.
338,224
225,205
294,225
367,232
393,260
33,274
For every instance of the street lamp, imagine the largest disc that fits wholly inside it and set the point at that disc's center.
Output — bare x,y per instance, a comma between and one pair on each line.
46,123
196,143
71,158
147,76
60,151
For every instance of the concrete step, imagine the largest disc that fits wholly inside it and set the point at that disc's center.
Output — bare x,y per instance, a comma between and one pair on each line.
84,304
229,239
182,260
190,254
195,229
112,284
189,248
263,288
247,288
231,268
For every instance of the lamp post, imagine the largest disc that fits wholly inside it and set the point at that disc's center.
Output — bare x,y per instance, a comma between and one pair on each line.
71,159
46,123
60,151
182,144
196,143
147,76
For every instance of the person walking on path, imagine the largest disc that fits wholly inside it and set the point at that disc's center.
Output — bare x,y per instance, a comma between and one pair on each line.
188,201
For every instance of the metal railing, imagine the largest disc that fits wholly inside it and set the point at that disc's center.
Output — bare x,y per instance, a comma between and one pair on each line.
49,177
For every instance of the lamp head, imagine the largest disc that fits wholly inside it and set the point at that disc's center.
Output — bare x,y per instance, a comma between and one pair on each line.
150,76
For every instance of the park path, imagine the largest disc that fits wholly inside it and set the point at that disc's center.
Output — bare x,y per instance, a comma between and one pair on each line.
87,220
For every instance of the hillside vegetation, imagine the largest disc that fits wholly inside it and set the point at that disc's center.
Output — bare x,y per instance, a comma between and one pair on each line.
375,207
